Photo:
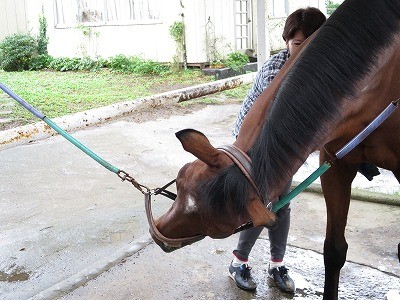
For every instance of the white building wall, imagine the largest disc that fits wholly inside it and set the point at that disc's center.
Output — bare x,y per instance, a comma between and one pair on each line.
151,39
295,4
209,24
12,17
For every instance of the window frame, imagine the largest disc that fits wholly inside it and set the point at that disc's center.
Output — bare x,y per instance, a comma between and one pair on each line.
75,11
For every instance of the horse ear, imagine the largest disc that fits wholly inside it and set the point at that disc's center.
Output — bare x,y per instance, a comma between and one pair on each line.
260,215
197,143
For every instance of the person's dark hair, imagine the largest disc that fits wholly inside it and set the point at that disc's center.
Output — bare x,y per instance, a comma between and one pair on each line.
307,20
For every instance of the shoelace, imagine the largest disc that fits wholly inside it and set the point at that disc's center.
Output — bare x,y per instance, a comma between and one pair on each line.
245,272
283,271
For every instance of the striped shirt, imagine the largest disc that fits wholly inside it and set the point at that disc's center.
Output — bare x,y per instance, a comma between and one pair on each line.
263,78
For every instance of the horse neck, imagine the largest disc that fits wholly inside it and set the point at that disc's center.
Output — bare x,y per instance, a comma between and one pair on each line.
255,118
374,93
315,95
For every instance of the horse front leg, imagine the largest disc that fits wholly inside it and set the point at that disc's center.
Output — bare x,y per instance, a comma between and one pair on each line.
336,186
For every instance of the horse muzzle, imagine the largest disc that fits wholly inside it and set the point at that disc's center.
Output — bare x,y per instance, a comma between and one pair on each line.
169,245
165,243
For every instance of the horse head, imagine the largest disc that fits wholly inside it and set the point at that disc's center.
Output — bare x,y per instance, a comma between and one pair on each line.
194,215
214,196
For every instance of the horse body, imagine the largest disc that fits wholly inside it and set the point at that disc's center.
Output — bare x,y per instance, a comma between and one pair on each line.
343,77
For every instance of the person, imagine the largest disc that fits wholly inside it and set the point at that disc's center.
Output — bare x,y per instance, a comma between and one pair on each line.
298,26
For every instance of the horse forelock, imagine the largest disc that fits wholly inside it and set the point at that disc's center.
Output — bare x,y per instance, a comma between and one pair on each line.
224,193
311,97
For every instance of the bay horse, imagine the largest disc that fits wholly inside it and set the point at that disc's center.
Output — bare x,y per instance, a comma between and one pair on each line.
341,79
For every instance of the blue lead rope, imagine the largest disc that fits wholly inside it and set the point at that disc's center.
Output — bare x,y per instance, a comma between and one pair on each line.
58,129
367,130
21,101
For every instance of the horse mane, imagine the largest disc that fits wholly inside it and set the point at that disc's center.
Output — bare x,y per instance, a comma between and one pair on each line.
309,99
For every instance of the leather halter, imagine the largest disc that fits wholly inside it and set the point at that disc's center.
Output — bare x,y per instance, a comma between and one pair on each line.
171,243
242,160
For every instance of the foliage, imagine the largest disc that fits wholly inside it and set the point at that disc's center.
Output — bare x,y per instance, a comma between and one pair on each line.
176,31
236,60
215,45
118,63
16,52
60,93
76,64
40,62
90,42
217,64
137,65
42,38
331,7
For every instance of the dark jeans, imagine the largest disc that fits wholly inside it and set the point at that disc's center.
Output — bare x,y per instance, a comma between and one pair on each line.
277,237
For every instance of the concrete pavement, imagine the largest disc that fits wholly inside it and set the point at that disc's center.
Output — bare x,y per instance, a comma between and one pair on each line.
65,218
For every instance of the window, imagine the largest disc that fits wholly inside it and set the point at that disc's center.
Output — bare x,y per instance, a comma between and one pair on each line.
243,25
103,12
278,8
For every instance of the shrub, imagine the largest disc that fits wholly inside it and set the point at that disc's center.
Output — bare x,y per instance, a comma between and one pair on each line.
76,64
176,31
137,65
331,7
16,52
236,60
40,62
119,63
148,67
42,38
64,64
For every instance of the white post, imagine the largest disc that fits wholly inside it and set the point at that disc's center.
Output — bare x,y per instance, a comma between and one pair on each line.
262,33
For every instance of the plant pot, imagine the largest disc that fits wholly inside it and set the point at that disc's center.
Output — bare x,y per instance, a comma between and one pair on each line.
228,72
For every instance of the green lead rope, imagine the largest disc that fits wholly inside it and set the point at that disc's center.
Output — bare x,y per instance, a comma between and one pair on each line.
82,147
301,187
386,113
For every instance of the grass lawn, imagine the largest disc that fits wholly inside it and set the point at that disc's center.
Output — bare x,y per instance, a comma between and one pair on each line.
60,93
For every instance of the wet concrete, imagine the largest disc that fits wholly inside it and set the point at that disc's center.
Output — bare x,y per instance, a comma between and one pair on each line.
63,213
200,271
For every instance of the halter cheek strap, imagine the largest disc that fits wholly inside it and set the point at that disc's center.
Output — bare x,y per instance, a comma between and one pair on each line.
243,161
